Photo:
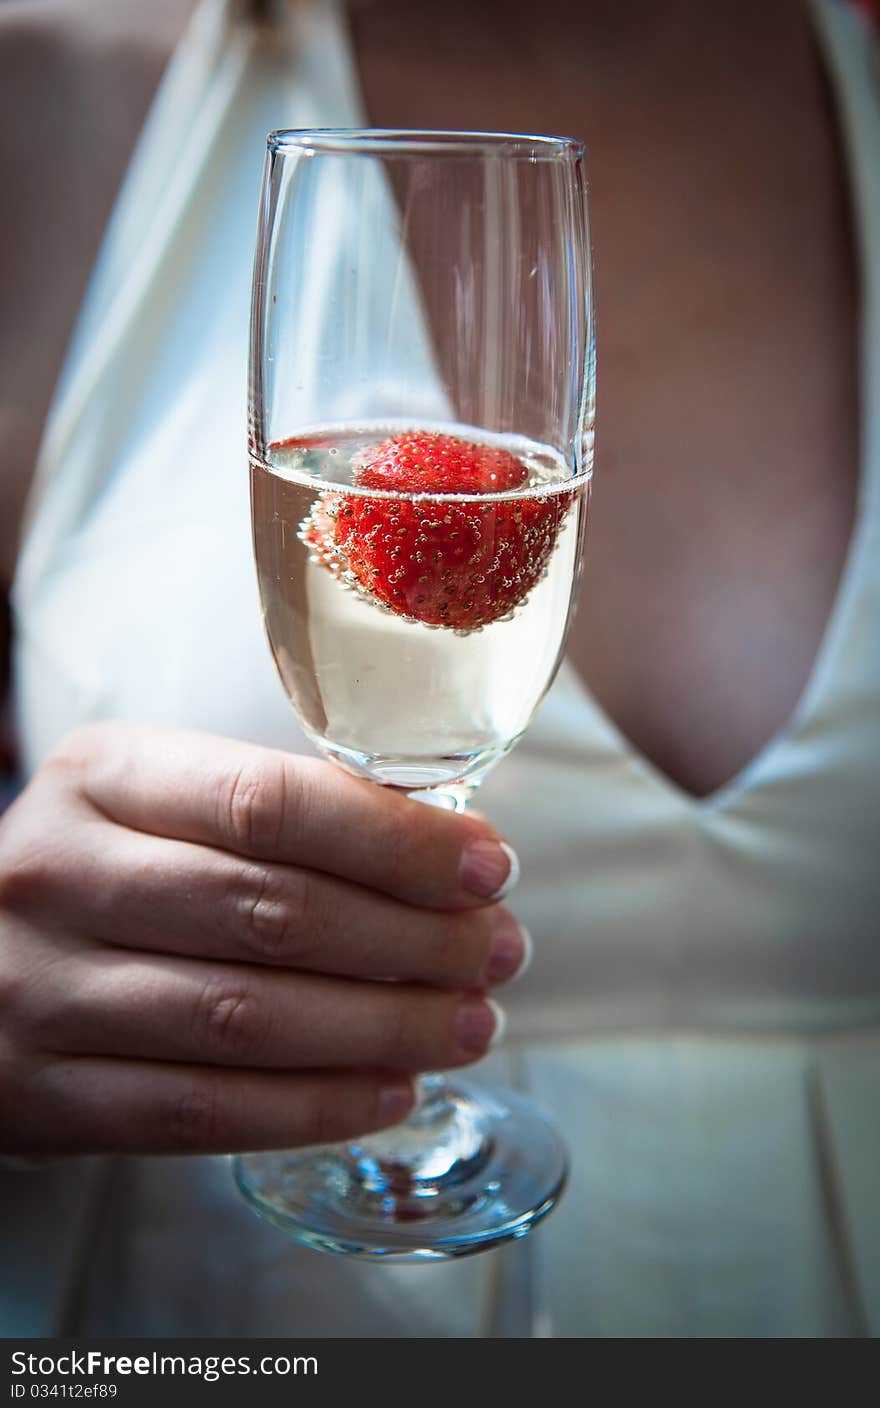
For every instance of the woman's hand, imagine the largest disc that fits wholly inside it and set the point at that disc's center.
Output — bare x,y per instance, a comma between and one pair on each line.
191,934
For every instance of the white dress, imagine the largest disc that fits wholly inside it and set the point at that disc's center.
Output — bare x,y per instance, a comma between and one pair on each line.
703,1013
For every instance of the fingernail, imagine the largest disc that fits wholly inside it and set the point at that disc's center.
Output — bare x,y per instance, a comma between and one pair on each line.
479,1024
511,951
489,869
395,1101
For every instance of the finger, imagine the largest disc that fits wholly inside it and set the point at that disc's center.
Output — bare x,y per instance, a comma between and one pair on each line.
101,1002
111,1106
274,806
146,892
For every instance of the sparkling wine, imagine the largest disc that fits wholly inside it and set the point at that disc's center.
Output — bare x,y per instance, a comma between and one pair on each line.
415,633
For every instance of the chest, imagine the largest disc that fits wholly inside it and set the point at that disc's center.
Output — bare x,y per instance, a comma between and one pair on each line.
727,432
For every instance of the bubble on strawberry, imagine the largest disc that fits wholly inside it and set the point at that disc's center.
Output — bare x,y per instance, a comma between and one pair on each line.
456,565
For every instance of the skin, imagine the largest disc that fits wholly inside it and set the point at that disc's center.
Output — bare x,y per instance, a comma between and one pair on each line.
150,881
726,460
189,964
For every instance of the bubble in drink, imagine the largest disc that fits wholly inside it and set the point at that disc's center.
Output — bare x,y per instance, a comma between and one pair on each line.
417,608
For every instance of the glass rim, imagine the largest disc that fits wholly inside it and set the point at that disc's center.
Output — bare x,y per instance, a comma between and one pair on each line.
403,142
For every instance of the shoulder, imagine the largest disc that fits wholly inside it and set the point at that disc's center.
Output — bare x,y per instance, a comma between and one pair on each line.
72,74
76,80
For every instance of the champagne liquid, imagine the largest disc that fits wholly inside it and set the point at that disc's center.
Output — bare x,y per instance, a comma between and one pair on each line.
388,696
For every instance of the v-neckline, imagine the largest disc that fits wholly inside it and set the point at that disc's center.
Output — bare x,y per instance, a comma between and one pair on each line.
746,779
742,783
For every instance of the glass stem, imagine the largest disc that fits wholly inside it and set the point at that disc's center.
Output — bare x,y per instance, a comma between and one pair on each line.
443,1136
432,1096
441,1143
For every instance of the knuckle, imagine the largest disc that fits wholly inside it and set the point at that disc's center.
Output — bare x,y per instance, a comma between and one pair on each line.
78,750
193,1119
229,1022
85,756
49,1007
30,856
13,997
261,917
253,804
278,916
26,875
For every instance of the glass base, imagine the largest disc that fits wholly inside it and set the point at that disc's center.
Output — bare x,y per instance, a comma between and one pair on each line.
448,780
500,1169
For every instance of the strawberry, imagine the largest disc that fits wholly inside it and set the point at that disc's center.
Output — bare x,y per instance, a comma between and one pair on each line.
461,565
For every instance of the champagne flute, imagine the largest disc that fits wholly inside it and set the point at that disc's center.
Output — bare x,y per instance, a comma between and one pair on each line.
420,441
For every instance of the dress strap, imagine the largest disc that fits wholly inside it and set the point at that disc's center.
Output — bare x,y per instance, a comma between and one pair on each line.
852,48
204,108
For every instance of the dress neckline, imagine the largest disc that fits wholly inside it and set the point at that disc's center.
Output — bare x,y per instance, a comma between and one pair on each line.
742,784
759,767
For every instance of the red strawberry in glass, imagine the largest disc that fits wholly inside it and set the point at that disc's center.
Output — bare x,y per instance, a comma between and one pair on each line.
439,568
